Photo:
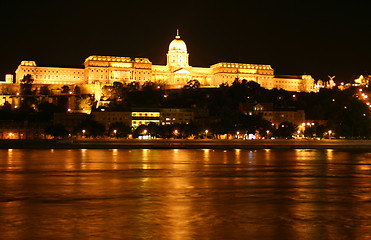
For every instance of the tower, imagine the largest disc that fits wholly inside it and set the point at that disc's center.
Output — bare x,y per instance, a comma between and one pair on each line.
177,55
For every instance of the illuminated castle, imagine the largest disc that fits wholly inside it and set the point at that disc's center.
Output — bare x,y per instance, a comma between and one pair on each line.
103,70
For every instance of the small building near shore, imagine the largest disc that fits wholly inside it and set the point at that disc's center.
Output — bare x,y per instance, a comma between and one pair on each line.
275,116
22,130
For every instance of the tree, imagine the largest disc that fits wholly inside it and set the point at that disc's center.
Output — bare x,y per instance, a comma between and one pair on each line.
26,85
149,86
192,84
150,129
286,130
44,90
132,86
122,130
27,79
77,90
65,89
4,91
83,103
86,103
90,128
57,130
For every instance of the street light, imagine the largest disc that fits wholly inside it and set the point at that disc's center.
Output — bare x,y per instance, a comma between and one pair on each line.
176,132
115,131
83,132
206,131
329,134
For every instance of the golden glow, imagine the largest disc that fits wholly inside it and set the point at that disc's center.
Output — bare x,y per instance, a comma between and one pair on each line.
122,65
251,71
136,123
176,73
28,63
145,114
108,59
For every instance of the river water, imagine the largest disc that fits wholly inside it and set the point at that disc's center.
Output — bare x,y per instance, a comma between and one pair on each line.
185,194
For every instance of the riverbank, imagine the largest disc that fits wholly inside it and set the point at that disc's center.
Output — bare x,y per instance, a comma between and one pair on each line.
183,144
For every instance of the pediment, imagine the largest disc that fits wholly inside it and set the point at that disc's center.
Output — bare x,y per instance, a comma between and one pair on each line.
182,70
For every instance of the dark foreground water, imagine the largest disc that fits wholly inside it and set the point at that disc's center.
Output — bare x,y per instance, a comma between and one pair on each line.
185,194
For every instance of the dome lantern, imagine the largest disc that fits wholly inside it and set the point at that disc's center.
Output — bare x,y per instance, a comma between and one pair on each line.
178,44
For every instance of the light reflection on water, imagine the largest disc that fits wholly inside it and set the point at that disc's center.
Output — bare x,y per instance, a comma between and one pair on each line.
185,194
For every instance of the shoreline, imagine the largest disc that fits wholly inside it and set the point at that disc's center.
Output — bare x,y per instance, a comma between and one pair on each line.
183,144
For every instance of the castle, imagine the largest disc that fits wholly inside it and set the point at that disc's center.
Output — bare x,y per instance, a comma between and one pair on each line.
104,70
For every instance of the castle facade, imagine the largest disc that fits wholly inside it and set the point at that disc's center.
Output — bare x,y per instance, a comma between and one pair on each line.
104,70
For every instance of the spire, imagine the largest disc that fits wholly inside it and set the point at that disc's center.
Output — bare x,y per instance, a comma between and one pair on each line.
177,34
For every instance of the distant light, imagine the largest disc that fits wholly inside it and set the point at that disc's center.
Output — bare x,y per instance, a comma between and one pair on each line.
252,136
69,110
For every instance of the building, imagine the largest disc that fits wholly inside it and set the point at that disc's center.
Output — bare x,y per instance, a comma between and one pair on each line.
176,116
275,116
144,116
106,118
70,120
103,70
22,130
161,116
303,83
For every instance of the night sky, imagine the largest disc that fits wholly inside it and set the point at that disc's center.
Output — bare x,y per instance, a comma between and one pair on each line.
295,37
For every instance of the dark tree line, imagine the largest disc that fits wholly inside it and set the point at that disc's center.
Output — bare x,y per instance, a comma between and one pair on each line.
345,114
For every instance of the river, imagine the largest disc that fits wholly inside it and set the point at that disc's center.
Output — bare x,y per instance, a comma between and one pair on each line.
185,194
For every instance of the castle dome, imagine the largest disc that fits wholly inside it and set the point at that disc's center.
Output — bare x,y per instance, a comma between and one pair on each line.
178,44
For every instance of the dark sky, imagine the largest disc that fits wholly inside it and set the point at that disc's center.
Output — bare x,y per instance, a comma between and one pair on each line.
295,37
